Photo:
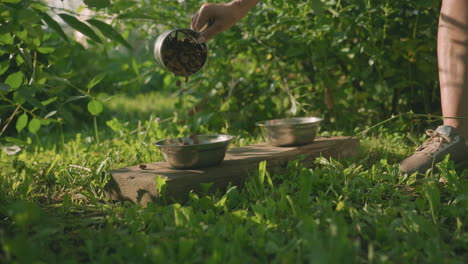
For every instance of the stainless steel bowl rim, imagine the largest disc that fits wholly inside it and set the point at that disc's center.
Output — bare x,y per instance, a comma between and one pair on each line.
224,140
210,152
290,122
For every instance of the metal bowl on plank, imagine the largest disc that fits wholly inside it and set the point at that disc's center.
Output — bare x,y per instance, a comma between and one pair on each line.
194,152
290,131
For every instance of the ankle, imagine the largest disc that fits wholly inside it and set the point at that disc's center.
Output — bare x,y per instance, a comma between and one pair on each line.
461,127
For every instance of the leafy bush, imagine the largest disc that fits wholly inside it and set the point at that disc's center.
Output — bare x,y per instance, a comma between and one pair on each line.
326,58
47,77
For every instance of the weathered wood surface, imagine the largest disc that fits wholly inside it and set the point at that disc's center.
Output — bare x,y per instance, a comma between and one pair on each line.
138,185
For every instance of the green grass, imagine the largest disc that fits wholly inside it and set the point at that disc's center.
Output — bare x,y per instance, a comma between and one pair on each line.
141,106
359,210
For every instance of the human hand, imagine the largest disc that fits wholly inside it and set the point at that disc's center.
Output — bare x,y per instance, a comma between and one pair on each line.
212,19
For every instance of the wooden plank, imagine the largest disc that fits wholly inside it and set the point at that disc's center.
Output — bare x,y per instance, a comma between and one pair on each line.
138,185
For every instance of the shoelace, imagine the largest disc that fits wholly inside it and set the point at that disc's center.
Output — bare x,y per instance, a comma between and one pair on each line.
435,141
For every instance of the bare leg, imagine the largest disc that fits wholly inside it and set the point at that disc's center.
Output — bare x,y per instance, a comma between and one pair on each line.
452,55
452,52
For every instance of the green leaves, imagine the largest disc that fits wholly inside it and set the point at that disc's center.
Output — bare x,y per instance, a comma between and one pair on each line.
34,125
432,194
160,184
11,1
14,80
109,32
21,122
95,81
262,172
53,25
32,41
97,3
318,6
26,93
6,38
95,107
5,88
4,65
80,26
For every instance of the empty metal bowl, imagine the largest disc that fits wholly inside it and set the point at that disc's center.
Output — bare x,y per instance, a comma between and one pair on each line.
186,153
290,131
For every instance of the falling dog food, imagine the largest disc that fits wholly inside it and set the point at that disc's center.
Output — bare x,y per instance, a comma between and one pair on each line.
185,141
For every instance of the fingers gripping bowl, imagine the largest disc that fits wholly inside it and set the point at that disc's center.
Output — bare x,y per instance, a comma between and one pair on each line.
190,153
290,131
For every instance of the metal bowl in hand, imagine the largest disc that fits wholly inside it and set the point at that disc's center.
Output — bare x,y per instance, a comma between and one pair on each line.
194,152
180,52
290,131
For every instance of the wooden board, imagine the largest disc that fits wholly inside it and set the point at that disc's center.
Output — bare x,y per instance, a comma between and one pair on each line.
138,185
